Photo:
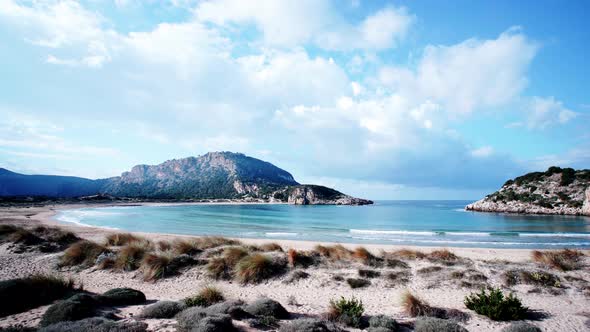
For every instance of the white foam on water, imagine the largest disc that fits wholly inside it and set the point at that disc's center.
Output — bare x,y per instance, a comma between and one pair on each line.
280,234
580,235
370,231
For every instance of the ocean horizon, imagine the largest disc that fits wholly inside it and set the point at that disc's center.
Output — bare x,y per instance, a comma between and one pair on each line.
394,222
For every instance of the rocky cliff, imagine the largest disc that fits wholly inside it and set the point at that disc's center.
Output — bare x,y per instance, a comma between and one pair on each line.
319,195
555,191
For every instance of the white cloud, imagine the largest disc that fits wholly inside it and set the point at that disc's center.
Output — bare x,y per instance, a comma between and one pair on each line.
483,152
295,23
546,112
469,75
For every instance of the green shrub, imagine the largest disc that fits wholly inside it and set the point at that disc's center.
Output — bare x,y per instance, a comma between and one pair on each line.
20,295
382,323
568,175
348,312
495,305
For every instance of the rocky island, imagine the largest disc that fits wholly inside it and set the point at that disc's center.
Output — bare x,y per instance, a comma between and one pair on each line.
215,176
556,191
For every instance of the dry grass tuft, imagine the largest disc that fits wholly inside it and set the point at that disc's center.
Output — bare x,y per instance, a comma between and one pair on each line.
156,266
414,307
223,267
297,258
363,255
335,253
255,268
186,247
273,246
121,239
407,254
130,256
209,242
563,260
25,237
442,255
82,253
164,245
207,296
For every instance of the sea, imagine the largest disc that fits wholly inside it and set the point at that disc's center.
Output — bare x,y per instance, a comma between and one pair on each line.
416,223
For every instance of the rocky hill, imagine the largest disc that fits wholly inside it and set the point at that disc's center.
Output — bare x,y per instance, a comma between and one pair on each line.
215,175
556,191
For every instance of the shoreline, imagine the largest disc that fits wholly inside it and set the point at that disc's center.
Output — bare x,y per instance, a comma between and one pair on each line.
313,294
47,218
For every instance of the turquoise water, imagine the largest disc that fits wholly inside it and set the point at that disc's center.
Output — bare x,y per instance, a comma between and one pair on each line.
427,223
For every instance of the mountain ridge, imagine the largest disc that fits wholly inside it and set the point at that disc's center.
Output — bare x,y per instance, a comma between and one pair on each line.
214,175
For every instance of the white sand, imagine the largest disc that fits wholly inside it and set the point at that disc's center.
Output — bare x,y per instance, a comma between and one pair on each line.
566,312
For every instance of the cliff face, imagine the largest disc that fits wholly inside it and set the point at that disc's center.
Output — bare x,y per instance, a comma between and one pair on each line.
319,195
556,191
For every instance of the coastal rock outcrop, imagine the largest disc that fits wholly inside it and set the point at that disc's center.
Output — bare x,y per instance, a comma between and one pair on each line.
319,195
555,191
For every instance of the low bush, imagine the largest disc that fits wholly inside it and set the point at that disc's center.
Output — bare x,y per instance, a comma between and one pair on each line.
563,260
123,296
23,294
346,311
443,255
537,278
121,239
205,297
130,256
382,323
401,277
521,327
495,305
309,325
24,237
296,276
267,308
56,235
162,310
77,307
431,324
195,320
369,273
264,323
96,324
357,282
258,267
396,263
82,253
429,269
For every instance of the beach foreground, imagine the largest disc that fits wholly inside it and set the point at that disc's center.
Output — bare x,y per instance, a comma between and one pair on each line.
440,281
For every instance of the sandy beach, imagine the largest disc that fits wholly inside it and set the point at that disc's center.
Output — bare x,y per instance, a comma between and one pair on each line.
562,309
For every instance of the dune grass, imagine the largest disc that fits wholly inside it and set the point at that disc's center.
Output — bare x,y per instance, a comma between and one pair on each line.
563,260
121,239
255,268
83,252
157,266
223,267
207,296
335,253
414,306
130,256
272,246
406,254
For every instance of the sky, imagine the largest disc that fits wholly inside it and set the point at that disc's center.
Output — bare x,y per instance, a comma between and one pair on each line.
379,99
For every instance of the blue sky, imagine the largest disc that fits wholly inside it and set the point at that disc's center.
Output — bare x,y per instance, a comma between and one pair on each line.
380,99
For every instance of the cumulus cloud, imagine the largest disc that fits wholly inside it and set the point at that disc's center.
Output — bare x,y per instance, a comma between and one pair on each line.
469,75
545,112
293,23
